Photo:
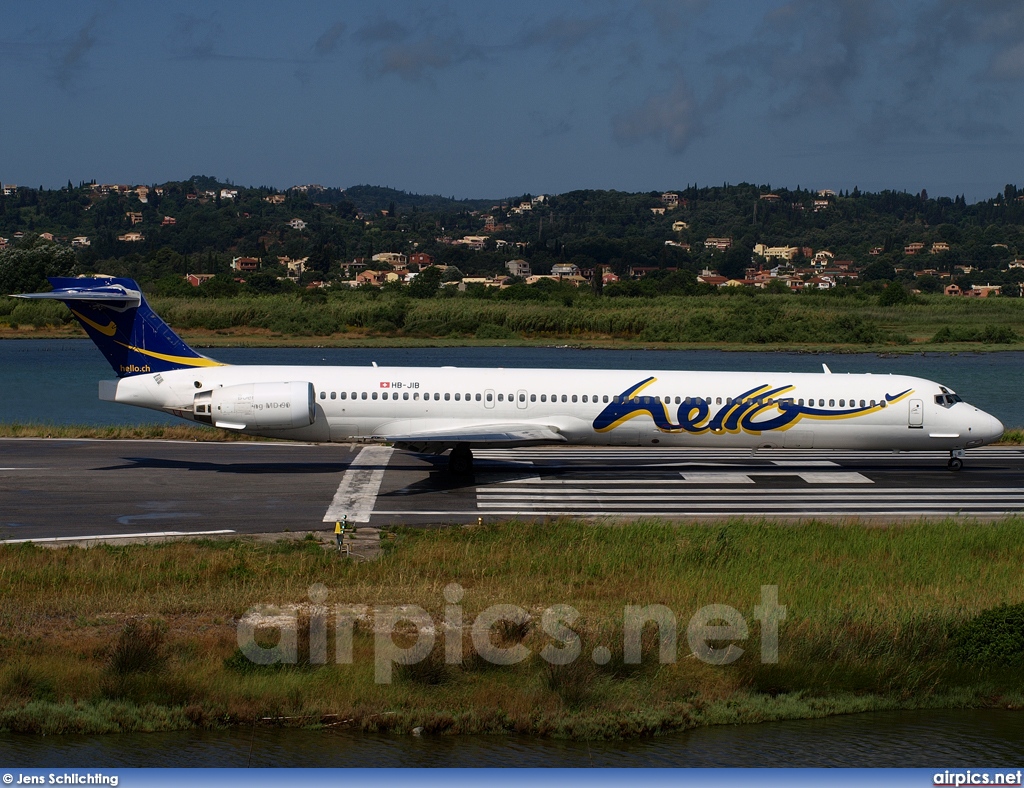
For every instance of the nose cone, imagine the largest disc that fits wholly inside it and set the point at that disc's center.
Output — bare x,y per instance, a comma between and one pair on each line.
990,429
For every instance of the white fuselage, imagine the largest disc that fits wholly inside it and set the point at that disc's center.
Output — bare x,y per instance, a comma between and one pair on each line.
599,407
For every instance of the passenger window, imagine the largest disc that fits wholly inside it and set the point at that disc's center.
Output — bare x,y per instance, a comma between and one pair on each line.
533,398
573,397
343,395
831,403
373,395
501,398
842,403
522,398
862,403
323,395
447,396
543,397
584,397
800,401
363,396
708,400
405,395
605,398
415,395
490,397
477,397
334,395
565,398
718,400
437,396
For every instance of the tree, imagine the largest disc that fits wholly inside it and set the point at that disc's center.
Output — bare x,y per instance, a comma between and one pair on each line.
894,294
426,283
878,271
735,262
25,269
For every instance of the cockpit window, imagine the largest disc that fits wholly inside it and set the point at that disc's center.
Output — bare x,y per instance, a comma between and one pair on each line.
947,400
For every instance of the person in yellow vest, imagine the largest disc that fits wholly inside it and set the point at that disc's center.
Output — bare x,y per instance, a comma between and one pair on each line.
340,527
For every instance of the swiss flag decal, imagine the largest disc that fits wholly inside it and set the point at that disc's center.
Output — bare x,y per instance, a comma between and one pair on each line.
385,385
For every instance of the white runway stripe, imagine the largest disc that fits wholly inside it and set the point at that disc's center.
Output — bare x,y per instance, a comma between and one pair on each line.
357,492
116,536
801,513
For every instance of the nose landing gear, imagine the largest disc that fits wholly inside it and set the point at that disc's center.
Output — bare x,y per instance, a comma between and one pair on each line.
956,459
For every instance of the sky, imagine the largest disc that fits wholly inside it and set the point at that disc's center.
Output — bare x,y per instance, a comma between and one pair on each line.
494,100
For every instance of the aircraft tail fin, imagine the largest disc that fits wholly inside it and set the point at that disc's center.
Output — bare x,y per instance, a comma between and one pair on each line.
124,327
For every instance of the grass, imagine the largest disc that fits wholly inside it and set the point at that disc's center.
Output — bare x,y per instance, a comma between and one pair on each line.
855,323
178,432
143,637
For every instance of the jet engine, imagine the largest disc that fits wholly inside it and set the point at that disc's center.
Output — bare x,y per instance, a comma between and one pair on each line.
281,406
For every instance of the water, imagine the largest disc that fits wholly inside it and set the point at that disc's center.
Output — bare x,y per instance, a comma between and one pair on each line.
54,381
879,739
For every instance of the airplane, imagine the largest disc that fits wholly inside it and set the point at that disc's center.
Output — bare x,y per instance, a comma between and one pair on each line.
433,410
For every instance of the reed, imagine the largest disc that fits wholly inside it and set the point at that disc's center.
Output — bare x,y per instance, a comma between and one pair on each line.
143,636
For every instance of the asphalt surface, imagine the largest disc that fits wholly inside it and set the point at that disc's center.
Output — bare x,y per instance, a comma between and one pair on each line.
74,489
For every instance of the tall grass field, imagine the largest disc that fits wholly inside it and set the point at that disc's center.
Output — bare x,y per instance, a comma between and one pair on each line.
743,320
145,637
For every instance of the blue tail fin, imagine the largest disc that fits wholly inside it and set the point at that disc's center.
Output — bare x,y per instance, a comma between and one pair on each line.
124,327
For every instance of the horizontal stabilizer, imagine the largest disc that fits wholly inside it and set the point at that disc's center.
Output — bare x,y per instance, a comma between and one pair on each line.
113,294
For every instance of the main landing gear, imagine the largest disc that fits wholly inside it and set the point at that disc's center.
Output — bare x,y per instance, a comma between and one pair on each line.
460,461
956,459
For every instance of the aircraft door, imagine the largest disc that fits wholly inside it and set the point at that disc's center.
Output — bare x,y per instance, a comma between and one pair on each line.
489,398
521,399
916,415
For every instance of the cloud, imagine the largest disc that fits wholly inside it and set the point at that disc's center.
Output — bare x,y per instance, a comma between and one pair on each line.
562,34
414,53
384,30
813,51
72,58
196,37
328,41
671,118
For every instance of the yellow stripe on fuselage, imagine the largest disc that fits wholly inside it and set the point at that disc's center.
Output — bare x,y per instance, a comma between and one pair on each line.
196,361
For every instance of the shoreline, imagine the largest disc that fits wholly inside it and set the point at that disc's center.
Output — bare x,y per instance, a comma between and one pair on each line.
146,637
245,339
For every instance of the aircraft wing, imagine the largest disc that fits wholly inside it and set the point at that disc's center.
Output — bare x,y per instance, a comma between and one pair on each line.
477,436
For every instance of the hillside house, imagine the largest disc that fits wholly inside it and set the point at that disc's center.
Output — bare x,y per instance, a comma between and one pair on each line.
245,264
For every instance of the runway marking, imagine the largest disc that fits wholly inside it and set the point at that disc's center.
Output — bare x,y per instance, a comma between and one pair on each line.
115,536
811,477
357,492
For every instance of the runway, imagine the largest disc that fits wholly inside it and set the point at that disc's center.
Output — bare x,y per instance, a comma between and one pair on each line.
82,489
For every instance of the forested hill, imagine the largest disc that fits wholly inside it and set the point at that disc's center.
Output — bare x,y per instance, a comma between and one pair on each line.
199,225
382,198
